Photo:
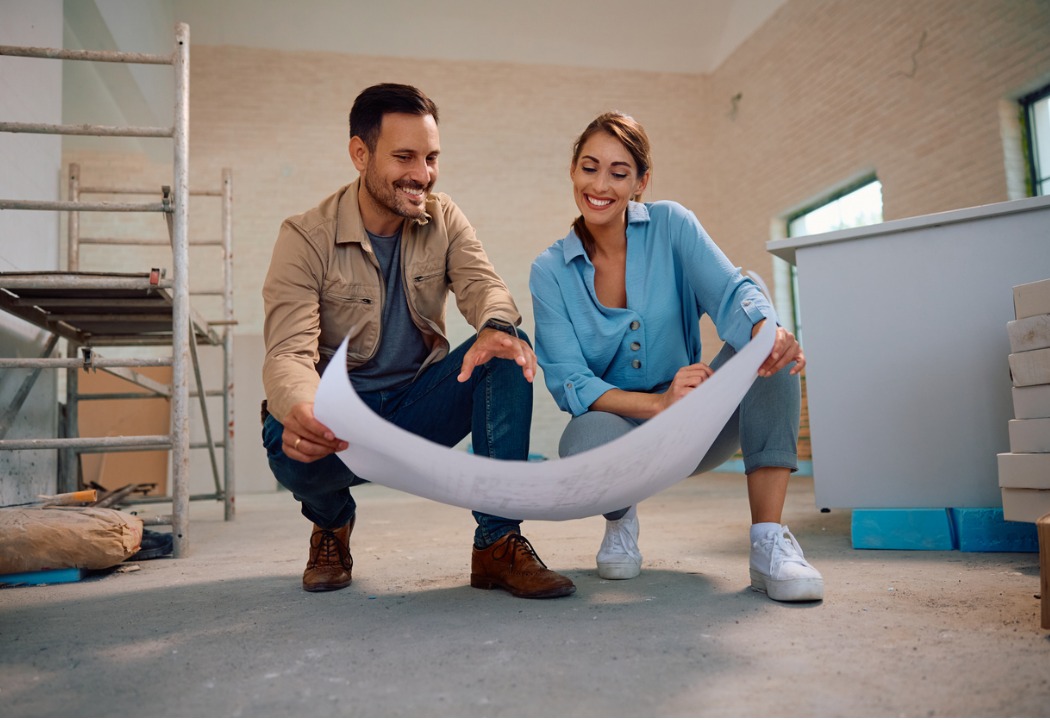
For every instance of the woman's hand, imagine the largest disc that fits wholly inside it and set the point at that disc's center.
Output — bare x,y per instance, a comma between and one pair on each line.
684,381
305,439
785,351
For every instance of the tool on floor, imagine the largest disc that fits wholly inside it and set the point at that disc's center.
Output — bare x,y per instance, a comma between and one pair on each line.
70,498
114,497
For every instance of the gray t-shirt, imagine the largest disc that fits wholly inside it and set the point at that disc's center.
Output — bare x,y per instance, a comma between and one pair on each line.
401,348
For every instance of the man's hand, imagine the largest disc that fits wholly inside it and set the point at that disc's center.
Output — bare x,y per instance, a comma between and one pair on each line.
305,439
785,350
492,343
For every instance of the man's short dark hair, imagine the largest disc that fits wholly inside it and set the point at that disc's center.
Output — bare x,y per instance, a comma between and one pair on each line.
366,116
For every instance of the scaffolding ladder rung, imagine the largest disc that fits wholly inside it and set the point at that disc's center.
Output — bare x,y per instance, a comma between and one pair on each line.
92,55
75,206
87,129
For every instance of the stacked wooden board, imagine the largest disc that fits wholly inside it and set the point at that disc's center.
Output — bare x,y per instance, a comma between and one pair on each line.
1024,472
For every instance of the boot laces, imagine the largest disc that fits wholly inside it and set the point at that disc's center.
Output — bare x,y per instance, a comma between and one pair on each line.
328,550
514,545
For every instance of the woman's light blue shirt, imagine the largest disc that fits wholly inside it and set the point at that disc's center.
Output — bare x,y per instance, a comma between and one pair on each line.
675,273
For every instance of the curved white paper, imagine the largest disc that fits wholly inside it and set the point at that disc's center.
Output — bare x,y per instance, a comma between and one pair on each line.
650,458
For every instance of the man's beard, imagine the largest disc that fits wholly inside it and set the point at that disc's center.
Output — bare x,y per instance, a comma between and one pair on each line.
387,196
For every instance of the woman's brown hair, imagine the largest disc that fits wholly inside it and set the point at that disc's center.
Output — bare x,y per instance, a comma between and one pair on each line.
632,136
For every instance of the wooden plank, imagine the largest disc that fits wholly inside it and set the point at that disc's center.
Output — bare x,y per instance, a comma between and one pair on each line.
1030,368
1032,299
1032,401
1031,435
1030,333
1043,527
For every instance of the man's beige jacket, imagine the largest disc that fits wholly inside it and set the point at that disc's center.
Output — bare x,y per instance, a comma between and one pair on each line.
324,284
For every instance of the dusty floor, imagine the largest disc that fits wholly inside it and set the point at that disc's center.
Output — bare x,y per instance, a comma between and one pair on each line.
227,631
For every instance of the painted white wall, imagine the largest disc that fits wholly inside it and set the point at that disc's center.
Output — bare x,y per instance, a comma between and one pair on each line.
30,91
119,93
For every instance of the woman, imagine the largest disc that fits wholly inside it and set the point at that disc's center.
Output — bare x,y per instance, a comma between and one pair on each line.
617,304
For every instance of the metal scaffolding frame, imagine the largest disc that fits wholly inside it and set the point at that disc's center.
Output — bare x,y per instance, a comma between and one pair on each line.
119,309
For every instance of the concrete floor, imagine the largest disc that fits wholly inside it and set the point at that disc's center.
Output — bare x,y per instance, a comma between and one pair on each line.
227,631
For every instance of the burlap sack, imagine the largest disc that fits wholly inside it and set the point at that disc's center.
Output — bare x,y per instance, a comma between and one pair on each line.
34,539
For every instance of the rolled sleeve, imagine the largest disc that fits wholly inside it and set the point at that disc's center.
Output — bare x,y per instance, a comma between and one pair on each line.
580,391
748,307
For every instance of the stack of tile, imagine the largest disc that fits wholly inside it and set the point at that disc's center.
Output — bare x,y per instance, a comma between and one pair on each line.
1024,472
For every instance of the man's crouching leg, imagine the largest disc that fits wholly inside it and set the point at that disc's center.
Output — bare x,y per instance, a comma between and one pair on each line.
502,557
323,488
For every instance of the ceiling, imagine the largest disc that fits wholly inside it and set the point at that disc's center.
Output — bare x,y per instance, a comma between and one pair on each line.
677,36
686,36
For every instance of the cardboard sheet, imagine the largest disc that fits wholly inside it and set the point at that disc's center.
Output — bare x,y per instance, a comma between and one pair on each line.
651,458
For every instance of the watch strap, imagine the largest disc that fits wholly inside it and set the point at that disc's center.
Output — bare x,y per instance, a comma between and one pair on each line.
501,326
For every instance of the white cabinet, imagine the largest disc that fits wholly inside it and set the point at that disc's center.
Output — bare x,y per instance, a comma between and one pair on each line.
905,335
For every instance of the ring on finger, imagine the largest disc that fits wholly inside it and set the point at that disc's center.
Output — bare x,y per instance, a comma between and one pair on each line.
297,441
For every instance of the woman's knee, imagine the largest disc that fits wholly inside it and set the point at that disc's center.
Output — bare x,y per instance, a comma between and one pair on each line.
781,391
590,430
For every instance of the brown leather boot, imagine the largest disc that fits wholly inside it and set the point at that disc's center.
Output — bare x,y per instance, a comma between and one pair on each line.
330,562
511,563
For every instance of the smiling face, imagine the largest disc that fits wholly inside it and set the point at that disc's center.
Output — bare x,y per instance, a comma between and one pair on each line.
604,178
399,173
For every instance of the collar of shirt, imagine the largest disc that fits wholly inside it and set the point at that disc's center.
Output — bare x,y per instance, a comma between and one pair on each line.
573,246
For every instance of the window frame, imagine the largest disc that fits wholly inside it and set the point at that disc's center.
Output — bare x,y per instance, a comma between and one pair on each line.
829,199
1037,180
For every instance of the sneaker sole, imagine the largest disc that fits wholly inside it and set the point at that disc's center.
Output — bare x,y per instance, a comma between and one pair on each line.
619,571
800,590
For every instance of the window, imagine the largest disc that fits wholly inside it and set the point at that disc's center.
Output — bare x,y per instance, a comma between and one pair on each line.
1037,140
855,206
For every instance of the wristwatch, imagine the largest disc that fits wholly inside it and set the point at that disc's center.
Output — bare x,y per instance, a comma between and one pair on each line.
500,325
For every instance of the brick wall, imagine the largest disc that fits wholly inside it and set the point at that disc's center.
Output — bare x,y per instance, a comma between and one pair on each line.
825,91
831,90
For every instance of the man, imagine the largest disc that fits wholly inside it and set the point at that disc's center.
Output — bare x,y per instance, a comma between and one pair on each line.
376,261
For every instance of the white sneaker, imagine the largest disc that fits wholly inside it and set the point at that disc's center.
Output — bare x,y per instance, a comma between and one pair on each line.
779,569
619,558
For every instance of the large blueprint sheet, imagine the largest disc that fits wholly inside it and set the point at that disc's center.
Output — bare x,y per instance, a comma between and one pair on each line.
651,458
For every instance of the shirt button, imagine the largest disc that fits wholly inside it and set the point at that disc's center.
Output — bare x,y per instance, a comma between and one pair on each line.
747,303
636,364
568,385
636,346
635,324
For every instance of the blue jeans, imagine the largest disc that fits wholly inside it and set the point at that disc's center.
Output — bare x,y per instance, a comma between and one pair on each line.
764,427
494,406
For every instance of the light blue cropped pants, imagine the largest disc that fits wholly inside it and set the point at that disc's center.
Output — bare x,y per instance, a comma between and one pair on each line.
764,427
